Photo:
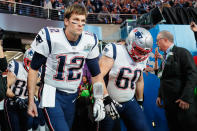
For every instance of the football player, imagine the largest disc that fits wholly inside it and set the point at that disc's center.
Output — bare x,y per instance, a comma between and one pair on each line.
16,104
124,64
63,52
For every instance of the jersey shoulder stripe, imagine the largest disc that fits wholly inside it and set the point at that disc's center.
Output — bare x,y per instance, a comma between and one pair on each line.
48,38
114,51
16,67
95,38
13,67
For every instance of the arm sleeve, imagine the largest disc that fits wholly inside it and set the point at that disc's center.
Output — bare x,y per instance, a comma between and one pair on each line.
3,64
37,61
159,93
93,66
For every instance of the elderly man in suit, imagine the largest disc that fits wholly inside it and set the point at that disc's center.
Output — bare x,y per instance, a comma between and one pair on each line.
178,77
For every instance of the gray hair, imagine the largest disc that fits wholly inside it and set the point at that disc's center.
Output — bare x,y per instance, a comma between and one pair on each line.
167,34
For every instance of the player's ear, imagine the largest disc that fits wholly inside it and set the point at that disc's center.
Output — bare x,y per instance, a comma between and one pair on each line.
66,21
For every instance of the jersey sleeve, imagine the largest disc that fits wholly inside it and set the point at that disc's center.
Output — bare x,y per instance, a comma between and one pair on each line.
108,51
95,50
42,43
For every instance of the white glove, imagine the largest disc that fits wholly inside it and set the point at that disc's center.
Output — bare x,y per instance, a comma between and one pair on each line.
110,107
98,110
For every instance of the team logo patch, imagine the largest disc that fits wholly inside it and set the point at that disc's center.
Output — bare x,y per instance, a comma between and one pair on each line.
138,35
30,53
87,47
106,50
10,66
88,33
38,39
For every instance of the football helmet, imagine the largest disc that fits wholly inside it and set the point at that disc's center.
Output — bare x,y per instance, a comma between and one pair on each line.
139,44
27,58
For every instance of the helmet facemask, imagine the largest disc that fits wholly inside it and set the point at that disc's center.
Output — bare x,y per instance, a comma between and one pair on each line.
138,54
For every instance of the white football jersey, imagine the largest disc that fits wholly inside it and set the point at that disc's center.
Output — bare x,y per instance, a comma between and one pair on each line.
64,64
124,73
19,88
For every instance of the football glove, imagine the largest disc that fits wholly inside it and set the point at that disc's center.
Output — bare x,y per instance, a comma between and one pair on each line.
1,33
20,103
110,107
98,110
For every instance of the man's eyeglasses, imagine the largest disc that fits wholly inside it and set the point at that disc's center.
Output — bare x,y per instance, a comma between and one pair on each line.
157,40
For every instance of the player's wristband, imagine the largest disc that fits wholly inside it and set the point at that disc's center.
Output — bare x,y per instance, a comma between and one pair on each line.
107,100
140,101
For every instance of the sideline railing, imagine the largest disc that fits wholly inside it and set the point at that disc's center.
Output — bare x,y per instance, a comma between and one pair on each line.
58,14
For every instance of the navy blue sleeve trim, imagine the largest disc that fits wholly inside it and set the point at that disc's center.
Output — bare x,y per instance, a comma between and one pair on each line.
114,51
16,67
48,38
37,61
95,38
43,73
93,66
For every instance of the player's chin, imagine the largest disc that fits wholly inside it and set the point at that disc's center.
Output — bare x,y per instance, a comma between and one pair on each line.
78,32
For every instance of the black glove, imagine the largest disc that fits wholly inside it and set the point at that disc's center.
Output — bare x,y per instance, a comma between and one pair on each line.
1,33
20,103
110,107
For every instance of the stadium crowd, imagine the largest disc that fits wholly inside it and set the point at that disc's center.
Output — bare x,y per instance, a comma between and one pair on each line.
122,6
106,11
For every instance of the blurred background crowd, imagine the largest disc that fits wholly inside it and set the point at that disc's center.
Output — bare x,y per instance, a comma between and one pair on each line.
108,11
